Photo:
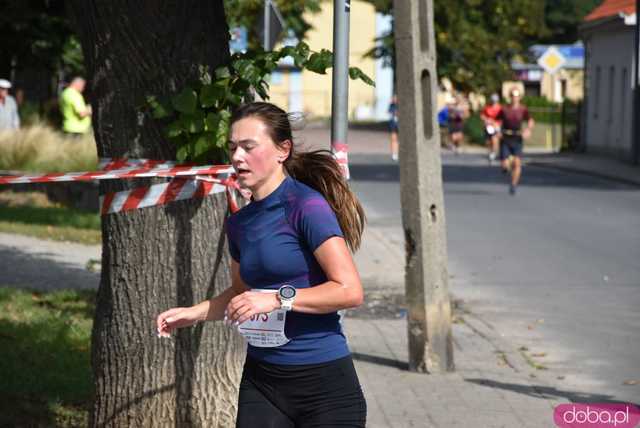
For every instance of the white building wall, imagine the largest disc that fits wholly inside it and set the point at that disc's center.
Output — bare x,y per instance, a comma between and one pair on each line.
610,97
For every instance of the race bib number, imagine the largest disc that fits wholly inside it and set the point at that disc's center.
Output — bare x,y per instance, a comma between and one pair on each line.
265,330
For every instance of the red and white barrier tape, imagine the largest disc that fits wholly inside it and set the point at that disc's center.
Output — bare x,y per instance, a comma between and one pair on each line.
130,172
341,153
177,189
188,181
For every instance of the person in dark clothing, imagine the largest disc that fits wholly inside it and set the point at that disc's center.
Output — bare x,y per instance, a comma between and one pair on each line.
393,127
291,272
512,117
456,116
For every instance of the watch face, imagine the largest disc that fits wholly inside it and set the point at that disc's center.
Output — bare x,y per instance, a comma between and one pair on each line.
287,292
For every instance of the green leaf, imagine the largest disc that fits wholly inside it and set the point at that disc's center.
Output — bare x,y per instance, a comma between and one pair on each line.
218,126
303,50
240,86
193,123
174,129
222,72
203,144
356,73
182,154
222,133
319,61
300,54
269,66
234,99
248,71
211,122
285,52
262,89
211,94
239,64
185,101
159,108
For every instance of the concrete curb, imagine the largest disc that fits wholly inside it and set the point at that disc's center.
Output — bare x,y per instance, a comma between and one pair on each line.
578,170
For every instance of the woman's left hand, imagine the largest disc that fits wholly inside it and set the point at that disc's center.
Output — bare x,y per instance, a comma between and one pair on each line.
245,305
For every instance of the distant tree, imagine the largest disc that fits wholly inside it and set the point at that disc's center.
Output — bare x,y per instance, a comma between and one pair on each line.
31,33
248,12
476,39
562,18
37,35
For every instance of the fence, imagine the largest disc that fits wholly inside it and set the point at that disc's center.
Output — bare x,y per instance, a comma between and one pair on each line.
557,128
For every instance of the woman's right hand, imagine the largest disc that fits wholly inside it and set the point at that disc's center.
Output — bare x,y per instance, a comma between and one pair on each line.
176,318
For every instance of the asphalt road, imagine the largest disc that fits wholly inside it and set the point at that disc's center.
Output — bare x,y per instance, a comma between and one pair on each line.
554,269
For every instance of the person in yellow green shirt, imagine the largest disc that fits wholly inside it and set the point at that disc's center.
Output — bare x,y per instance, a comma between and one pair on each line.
76,114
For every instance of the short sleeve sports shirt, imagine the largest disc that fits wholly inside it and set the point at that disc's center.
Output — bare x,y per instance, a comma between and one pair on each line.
513,117
71,104
492,111
273,240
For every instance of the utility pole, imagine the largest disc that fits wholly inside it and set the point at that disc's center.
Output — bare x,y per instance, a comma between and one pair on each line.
635,144
426,277
340,87
266,20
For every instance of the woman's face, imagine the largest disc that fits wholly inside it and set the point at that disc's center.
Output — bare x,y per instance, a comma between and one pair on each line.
254,155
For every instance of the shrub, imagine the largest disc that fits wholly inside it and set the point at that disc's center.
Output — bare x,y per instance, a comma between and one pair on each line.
39,148
474,129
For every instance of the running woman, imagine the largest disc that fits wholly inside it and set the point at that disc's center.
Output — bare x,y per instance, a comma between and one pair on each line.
512,117
291,271
492,125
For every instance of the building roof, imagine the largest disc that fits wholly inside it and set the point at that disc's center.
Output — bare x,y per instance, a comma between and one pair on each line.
610,8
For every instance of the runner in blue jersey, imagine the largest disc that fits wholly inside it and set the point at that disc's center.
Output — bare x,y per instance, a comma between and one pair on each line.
291,272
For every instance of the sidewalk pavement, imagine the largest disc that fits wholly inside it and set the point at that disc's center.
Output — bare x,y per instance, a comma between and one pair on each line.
493,384
581,163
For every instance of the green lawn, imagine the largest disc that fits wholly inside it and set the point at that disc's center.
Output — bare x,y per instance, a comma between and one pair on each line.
45,366
31,214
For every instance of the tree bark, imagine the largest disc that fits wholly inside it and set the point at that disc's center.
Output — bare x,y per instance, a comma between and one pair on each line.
159,257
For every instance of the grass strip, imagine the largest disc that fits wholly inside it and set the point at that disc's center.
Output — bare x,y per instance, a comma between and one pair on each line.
53,233
32,215
45,364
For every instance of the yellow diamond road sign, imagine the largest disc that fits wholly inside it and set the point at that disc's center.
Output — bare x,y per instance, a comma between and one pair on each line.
551,60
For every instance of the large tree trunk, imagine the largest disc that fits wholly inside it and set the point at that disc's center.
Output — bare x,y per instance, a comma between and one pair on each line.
155,258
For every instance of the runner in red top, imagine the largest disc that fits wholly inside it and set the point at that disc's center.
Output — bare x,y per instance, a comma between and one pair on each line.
512,117
492,125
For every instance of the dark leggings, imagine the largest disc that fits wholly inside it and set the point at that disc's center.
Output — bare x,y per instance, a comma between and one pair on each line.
316,395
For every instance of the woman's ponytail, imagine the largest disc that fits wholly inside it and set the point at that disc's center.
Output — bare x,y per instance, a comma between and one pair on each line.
317,169
320,171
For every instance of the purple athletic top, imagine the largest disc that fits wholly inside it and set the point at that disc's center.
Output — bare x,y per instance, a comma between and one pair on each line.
513,117
273,240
